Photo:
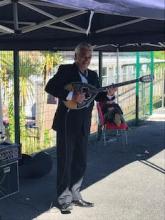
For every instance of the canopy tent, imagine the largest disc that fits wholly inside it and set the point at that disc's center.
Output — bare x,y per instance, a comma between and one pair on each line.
128,25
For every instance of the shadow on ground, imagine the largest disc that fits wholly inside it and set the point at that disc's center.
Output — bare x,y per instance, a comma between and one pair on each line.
36,195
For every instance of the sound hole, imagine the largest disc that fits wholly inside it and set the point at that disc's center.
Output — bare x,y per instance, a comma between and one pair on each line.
85,90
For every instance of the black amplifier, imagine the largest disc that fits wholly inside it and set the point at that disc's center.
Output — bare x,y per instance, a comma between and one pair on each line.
9,153
9,179
9,175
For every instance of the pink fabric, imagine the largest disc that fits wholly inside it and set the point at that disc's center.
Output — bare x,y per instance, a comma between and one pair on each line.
123,126
101,116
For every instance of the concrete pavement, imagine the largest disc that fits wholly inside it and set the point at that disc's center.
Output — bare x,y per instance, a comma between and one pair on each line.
126,185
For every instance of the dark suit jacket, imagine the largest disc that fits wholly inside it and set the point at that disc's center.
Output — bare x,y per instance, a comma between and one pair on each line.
77,120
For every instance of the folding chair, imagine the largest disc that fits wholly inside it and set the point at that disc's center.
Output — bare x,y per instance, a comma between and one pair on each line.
107,127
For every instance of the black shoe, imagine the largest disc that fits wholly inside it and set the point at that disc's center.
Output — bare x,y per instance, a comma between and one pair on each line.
83,203
66,208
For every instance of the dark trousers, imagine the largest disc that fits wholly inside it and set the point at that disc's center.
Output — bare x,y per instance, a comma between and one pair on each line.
71,164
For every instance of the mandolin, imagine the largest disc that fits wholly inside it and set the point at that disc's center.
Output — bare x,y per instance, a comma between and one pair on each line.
91,91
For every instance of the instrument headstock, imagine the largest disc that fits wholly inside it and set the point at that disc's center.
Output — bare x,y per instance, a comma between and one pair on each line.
147,78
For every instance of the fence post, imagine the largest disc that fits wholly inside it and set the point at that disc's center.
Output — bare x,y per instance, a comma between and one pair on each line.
16,96
2,128
163,89
117,71
100,66
137,88
151,83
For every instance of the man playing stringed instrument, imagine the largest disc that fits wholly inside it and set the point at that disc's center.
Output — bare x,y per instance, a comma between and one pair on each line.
76,87
73,126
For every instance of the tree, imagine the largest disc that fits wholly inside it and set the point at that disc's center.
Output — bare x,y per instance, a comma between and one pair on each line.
50,61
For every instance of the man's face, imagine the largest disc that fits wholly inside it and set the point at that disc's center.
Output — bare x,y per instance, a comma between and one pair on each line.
83,58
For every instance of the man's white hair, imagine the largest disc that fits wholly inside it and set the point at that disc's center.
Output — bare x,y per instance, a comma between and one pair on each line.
83,45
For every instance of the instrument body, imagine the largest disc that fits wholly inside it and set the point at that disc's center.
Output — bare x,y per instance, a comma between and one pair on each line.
91,91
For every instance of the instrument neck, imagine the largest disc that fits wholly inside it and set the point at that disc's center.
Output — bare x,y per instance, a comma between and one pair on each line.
118,84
